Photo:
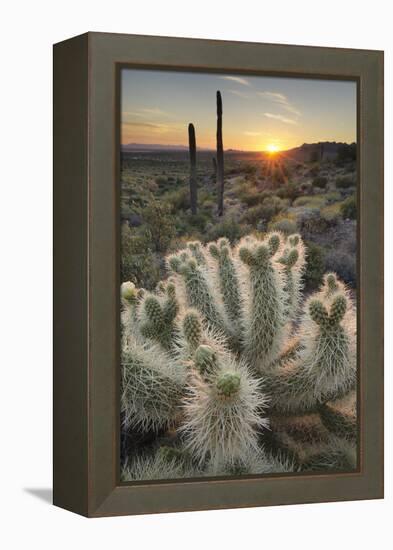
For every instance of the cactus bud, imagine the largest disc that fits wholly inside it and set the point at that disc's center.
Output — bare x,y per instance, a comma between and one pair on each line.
246,256
128,291
214,251
274,243
228,384
294,240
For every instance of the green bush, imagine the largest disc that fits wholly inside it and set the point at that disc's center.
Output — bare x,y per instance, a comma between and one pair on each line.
159,226
138,262
179,199
228,228
344,182
348,208
285,225
320,181
270,207
290,191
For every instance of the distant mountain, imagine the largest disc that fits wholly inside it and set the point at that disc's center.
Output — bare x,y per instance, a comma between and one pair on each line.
323,150
144,147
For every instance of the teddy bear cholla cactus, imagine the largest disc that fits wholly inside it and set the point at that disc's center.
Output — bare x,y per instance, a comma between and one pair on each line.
231,372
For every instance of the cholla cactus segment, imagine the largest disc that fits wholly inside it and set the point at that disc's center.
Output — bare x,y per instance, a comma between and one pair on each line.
164,464
292,277
206,361
200,296
228,282
197,251
331,285
224,429
254,463
192,329
325,366
158,318
152,388
340,416
265,329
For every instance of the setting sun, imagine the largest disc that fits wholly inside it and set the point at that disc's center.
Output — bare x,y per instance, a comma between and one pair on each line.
272,148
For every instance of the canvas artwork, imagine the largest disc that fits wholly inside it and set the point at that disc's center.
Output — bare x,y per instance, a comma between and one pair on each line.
238,271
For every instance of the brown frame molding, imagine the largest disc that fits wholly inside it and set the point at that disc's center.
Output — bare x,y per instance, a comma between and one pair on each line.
86,274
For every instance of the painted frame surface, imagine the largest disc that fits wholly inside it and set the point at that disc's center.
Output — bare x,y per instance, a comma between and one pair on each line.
87,259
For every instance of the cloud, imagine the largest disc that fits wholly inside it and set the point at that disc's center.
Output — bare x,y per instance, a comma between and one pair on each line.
155,128
237,79
280,100
239,94
152,112
281,118
252,133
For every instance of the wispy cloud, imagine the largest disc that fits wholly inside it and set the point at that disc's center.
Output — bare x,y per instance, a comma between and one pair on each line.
153,127
239,94
281,118
152,112
281,100
252,133
237,79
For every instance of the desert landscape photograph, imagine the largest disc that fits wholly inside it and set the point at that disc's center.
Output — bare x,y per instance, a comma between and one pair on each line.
238,207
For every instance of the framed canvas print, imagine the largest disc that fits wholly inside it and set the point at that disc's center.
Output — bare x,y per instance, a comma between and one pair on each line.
218,259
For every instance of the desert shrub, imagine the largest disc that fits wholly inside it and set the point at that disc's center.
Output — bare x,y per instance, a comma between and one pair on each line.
179,199
346,153
270,207
315,266
343,263
320,181
344,182
198,221
311,201
278,175
311,222
290,191
349,209
159,225
314,170
334,196
161,181
285,225
138,262
248,194
228,228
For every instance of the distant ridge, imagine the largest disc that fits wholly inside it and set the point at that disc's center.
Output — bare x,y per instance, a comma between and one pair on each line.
138,147
323,149
303,153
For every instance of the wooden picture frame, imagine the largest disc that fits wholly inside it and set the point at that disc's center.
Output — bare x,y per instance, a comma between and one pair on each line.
86,273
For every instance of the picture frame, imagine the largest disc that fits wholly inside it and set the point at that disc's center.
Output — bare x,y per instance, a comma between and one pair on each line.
86,387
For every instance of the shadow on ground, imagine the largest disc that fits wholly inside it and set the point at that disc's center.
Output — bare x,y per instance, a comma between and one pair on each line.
44,494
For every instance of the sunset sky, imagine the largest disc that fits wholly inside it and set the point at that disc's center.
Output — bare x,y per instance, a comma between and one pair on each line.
258,112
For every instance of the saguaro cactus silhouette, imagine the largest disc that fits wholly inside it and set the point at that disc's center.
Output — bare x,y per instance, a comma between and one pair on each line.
228,346
220,157
193,176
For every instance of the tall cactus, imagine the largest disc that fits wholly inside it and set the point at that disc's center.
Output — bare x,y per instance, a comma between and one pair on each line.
193,176
220,157
228,346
